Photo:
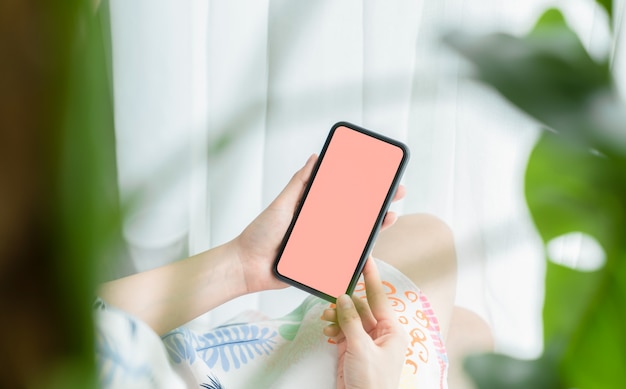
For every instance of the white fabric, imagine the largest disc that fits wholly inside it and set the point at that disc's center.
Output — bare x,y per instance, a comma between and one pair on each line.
276,74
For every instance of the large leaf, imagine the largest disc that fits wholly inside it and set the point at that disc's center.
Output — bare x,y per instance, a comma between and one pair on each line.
571,188
568,189
85,216
549,75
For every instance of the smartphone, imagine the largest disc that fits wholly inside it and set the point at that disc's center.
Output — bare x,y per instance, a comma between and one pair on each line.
341,211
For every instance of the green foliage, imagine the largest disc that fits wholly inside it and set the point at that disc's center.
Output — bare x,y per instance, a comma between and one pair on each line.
84,215
569,189
575,182
494,371
547,73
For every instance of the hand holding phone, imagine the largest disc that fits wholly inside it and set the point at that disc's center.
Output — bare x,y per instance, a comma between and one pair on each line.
341,211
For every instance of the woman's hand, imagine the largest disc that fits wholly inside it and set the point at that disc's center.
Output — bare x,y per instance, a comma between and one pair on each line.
171,295
257,246
371,342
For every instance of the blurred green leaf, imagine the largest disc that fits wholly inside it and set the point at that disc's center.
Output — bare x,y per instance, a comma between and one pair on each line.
571,189
549,75
493,371
85,211
596,354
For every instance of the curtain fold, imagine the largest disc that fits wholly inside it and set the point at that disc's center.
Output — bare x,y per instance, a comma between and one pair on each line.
152,99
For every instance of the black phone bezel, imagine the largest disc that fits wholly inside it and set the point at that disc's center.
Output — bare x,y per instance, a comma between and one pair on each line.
377,225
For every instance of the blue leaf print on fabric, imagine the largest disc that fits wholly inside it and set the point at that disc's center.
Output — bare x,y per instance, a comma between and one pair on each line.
179,344
111,362
234,345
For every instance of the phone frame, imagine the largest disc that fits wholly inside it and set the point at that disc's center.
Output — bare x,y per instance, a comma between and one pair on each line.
375,228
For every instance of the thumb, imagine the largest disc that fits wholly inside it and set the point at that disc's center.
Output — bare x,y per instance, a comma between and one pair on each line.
349,319
293,191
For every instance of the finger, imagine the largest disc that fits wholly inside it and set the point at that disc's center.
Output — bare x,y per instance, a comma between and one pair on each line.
376,296
349,319
293,191
339,338
363,308
400,193
329,315
389,219
332,330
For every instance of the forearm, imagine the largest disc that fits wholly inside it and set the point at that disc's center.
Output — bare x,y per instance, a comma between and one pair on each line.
171,295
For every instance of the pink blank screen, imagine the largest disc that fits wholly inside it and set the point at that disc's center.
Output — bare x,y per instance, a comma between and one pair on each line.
340,211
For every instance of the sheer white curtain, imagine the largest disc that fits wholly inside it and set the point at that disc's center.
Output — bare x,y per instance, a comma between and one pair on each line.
217,103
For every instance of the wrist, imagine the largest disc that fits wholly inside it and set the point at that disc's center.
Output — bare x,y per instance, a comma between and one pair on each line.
255,267
233,269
